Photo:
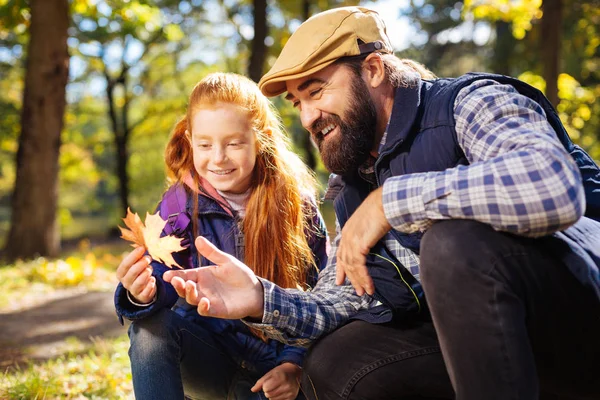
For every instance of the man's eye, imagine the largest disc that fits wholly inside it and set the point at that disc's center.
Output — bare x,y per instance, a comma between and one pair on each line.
315,92
295,104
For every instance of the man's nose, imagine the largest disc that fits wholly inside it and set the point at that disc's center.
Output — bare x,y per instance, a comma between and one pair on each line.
308,116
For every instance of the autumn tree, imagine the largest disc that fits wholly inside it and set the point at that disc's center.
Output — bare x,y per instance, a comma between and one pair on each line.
258,52
122,41
34,201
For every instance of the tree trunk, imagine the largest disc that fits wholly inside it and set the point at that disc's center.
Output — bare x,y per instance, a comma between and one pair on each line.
305,9
551,38
258,49
309,148
503,48
33,228
121,137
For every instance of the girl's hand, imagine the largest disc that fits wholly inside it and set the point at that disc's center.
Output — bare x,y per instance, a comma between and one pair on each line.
135,274
280,383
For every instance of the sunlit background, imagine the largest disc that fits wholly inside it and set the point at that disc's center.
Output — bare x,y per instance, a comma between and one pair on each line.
132,64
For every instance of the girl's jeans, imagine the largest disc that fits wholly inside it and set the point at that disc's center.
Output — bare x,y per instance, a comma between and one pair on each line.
171,356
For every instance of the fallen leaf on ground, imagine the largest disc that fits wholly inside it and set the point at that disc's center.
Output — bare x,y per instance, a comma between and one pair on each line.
148,236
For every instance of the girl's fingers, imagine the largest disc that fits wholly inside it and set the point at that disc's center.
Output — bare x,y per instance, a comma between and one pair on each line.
133,273
149,291
140,283
128,261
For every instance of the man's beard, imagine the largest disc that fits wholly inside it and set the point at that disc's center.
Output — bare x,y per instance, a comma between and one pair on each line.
344,153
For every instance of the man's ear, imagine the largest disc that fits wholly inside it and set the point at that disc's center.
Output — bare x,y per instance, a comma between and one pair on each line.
374,70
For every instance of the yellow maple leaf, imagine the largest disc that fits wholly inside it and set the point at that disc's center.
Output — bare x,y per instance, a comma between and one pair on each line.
148,236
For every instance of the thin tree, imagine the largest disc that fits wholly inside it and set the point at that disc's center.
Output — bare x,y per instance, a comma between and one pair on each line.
33,228
309,150
550,44
258,51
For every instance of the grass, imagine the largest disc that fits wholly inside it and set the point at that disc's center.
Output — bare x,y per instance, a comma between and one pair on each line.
99,370
89,267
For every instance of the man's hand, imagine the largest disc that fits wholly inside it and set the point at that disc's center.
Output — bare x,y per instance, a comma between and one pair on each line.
280,383
365,227
228,289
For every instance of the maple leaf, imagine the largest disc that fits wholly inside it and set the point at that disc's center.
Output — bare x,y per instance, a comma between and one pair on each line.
148,236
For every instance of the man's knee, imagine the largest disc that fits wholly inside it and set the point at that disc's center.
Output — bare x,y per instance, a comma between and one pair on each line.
318,365
450,249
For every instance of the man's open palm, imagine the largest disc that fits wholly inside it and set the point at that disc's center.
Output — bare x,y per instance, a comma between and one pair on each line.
229,289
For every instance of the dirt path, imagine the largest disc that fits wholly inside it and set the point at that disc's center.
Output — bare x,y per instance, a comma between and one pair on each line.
38,330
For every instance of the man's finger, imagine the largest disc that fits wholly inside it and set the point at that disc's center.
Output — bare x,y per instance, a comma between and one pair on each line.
179,285
204,307
340,275
212,253
258,385
358,288
191,292
185,274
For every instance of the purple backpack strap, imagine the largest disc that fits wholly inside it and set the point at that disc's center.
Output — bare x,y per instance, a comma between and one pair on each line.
173,209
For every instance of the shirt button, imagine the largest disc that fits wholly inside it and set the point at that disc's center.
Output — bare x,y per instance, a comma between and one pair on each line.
276,313
243,364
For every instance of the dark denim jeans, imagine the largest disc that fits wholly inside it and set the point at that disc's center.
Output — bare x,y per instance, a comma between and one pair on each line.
171,355
513,322
385,362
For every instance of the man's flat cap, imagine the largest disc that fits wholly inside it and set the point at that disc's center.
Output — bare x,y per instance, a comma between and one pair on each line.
321,40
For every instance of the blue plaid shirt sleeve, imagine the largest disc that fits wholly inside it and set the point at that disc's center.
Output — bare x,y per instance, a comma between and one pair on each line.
520,178
295,317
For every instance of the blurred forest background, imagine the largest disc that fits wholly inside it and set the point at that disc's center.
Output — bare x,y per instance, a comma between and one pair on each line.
89,92
90,89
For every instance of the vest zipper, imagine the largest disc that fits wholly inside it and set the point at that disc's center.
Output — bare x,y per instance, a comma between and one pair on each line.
401,277
381,156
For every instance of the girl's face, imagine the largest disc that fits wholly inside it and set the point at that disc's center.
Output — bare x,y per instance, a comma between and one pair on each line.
224,147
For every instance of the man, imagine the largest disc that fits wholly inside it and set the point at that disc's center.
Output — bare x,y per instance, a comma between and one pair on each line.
468,186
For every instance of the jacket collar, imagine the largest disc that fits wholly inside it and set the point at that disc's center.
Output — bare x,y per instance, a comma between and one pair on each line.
209,199
404,113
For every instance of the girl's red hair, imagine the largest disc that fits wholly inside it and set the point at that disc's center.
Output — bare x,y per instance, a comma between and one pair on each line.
278,214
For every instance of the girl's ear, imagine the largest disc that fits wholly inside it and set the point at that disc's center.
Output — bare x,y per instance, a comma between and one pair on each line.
188,137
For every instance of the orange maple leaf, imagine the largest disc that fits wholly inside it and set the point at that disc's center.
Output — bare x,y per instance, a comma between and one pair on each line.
148,236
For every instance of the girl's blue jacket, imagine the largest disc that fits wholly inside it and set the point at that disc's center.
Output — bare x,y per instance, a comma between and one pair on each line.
220,228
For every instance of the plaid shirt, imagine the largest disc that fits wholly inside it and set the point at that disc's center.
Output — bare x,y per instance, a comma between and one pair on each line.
520,180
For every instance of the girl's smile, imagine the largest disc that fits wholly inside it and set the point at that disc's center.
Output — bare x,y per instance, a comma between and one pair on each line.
224,146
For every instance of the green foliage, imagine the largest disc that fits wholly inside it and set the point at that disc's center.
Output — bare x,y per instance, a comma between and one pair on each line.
519,54
520,13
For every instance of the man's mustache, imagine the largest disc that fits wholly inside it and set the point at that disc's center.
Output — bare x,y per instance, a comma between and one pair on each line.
320,124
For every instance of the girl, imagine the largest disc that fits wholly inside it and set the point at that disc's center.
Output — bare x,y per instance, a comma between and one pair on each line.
237,183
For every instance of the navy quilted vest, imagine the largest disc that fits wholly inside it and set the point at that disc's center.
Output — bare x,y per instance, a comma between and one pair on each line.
421,137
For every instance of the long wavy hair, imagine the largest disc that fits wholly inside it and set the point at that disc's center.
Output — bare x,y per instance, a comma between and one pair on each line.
277,210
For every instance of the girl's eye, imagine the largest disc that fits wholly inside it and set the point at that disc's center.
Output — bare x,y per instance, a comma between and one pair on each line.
235,144
204,146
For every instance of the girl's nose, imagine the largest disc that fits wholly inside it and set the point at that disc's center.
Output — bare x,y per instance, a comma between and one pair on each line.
219,154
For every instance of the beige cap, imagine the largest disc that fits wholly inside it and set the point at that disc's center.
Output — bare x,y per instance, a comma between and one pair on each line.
321,40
